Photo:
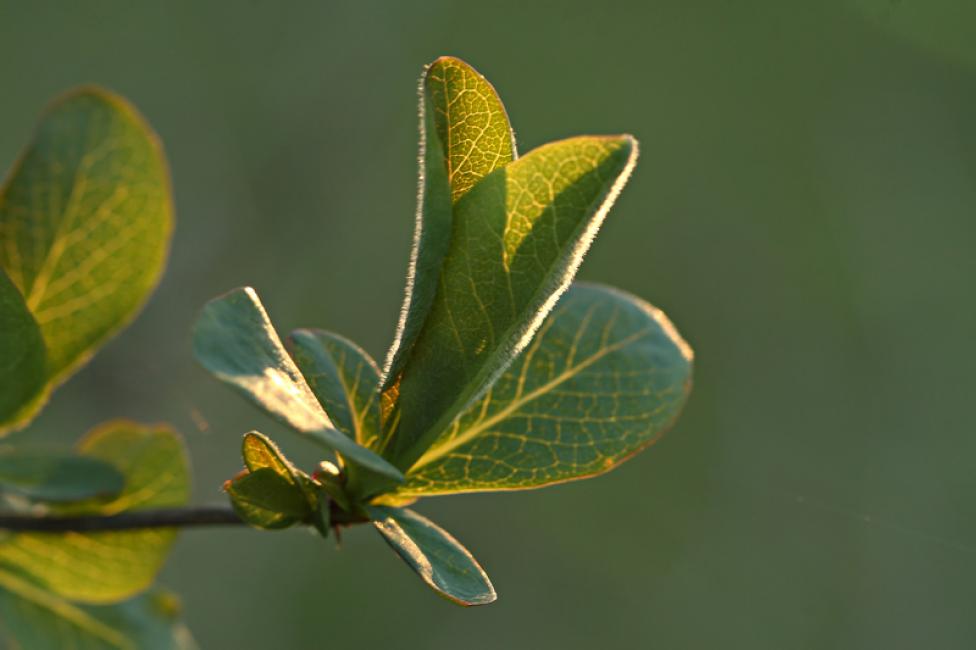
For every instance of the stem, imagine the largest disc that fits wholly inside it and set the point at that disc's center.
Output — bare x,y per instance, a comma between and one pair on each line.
189,517
161,518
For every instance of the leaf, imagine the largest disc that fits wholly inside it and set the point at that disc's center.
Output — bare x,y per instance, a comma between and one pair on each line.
519,236
344,379
447,567
235,340
22,356
267,499
606,375
55,475
85,221
36,619
464,136
106,567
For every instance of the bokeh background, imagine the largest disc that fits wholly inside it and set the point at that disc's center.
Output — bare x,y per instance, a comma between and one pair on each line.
803,209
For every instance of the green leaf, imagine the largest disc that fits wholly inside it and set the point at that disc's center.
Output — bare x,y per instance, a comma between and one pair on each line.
519,236
22,356
605,376
259,452
464,136
447,567
36,619
56,475
344,379
266,499
108,566
85,221
235,340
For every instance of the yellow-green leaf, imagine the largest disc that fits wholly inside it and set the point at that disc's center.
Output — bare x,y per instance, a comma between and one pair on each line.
605,376
36,619
259,452
464,136
266,499
518,237
85,221
106,567
22,356
440,560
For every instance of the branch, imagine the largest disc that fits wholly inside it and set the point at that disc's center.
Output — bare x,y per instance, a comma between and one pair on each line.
161,518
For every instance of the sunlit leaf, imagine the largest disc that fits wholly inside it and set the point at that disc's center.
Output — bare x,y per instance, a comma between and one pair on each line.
36,619
85,221
518,238
464,136
266,499
235,340
55,475
22,356
605,377
343,377
106,567
447,567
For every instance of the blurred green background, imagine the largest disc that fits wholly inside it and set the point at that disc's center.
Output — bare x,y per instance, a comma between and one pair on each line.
803,209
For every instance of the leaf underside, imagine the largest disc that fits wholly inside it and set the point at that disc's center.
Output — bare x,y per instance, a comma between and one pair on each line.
234,339
53,475
108,566
85,221
604,377
444,565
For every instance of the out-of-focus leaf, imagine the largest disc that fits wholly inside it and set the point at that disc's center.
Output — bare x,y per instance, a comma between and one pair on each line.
235,340
36,619
343,377
518,238
85,222
22,356
447,567
604,377
56,475
464,136
106,567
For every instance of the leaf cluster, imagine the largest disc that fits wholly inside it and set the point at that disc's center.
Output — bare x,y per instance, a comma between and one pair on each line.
503,374
85,221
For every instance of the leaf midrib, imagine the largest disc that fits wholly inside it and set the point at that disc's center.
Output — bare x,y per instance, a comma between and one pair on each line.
63,609
514,405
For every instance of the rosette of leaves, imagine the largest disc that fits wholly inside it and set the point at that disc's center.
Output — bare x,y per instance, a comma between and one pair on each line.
85,221
503,374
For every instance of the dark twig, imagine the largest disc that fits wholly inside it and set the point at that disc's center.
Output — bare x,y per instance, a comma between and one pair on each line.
161,518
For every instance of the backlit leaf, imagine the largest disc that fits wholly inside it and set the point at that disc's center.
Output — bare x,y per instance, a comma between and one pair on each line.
343,377
235,340
464,136
447,567
85,221
22,356
518,238
267,499
56,475
605,377
36,619
105,567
